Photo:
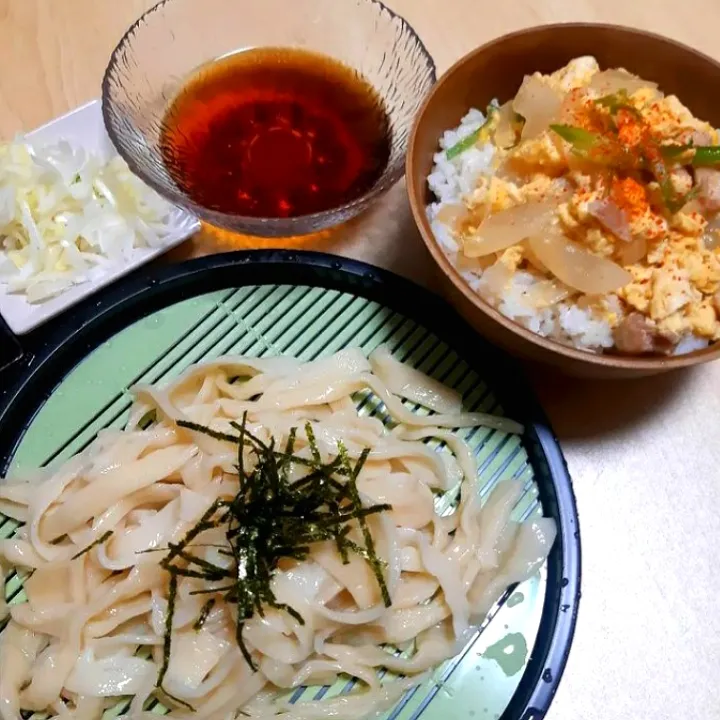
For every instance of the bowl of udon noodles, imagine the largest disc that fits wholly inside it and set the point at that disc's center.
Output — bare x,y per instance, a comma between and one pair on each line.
246,533
566,180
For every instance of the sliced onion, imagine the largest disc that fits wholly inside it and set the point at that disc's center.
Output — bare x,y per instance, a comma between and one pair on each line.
452,215
577,267
608,82
611,217
538,103
572,106
532,258
475,264
546,294
505,134
632,252
509,227
494,281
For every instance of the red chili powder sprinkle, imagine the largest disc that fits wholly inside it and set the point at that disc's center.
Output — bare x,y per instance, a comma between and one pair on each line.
630,196
585,113
631,132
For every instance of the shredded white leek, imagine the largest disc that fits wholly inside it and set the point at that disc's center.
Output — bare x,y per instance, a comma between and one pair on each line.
66,215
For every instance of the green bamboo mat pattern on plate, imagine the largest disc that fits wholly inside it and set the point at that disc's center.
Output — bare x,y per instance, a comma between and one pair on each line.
306,323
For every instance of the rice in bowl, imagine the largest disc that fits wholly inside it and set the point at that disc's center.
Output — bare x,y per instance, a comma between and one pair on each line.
590,217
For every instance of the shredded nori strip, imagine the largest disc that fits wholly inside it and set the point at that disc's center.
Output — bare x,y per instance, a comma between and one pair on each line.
99,541
270,519
167,640
206,610
148,419
207,431
113,574
178,700
361,515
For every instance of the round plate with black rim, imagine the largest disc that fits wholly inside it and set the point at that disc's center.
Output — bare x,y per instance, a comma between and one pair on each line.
73,380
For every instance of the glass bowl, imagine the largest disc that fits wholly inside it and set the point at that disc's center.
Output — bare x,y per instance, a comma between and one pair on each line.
174,38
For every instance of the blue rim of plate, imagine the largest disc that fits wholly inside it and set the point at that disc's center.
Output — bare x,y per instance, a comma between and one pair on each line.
37,365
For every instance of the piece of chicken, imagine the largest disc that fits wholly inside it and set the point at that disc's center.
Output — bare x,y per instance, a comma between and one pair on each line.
635,336
700,138
708,184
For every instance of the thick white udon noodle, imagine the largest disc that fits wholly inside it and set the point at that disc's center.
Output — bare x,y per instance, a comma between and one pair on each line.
86,636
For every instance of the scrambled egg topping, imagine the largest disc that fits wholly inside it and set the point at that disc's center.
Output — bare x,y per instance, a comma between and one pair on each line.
648,216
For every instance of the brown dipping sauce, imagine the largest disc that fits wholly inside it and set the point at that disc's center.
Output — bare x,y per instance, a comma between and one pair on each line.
276,132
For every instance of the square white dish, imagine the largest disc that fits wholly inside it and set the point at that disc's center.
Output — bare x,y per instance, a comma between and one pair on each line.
84,127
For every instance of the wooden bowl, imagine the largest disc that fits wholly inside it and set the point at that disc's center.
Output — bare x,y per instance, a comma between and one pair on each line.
496,70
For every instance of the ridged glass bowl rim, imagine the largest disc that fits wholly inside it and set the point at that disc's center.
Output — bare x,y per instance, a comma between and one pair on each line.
392,174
